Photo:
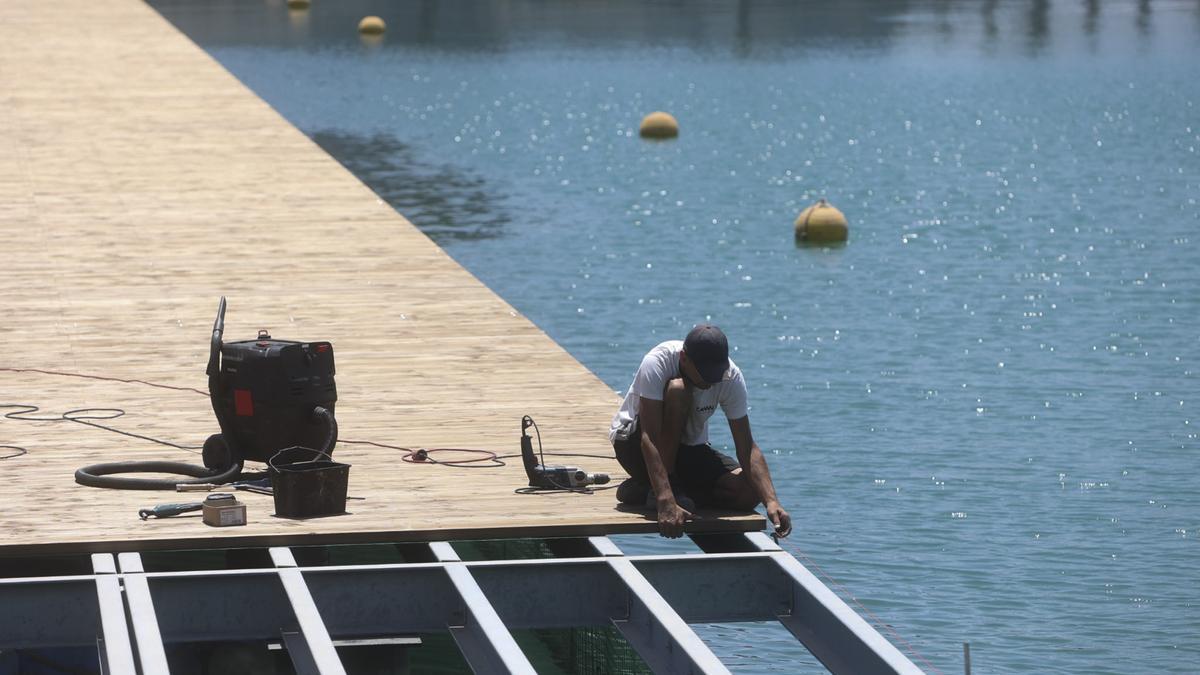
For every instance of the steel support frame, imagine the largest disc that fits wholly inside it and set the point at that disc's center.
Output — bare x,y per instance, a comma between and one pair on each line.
115,650
481,636
840,639
658,634
311,649
650,599
833,632
151,655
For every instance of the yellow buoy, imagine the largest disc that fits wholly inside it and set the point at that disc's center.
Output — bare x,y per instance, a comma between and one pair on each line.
371,25
659,125
298,4
821,222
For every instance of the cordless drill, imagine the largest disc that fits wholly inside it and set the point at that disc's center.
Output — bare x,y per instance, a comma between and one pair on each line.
561,477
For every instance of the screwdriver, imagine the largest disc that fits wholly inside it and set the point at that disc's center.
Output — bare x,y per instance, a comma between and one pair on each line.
166,510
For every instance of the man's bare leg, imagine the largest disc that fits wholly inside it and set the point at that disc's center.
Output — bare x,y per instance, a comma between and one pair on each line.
677,405
734,491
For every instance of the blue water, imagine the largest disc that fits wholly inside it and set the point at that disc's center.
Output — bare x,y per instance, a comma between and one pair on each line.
981,411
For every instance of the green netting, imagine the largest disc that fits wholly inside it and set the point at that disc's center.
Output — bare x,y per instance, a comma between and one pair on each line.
599,651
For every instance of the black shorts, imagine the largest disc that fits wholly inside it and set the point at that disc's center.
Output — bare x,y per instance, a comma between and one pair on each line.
697,467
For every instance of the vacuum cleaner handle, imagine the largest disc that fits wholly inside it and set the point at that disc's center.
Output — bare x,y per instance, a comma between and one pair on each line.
214,350
527,457
214,389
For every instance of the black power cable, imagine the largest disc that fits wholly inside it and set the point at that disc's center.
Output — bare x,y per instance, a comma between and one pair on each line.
85,416
88,417
97,475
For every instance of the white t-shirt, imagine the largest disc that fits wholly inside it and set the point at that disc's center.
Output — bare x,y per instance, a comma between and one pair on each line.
660,366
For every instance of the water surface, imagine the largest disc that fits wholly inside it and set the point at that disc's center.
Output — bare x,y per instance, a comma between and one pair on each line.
981,411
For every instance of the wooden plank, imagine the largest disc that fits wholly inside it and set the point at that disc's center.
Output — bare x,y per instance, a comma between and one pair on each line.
140,181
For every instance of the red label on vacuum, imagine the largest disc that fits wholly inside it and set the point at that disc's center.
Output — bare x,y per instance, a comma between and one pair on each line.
243,404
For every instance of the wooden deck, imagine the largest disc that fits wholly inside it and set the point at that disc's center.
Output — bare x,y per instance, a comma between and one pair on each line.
140,181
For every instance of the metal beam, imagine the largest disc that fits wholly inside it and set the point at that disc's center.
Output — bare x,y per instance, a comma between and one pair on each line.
722,542
718,588
362,603
648,597
314,649
48,612
376,600
443,552
605,546
697,654
219,605
832,631
299,653
151,654
388,599
481,636
584,592
656,632
116,652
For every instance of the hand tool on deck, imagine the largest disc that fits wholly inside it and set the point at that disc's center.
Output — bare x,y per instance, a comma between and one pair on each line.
220,509
168,510
552,477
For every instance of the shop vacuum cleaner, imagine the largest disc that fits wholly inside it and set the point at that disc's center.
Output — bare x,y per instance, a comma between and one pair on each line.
267,395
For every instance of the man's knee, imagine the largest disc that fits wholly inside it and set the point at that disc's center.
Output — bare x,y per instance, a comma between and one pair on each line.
734,491
677,398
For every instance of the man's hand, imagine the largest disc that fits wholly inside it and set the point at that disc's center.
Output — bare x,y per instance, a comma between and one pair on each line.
780,519
671,517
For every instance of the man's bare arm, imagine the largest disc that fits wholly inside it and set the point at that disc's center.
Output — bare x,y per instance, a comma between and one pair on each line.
670,516
754,466
650,414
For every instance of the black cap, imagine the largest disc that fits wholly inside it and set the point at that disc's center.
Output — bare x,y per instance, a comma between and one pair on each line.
708,350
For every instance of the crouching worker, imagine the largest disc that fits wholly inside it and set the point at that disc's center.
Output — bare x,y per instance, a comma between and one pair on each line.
660,435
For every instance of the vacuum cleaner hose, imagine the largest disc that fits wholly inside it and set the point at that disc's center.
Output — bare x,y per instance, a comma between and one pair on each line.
96,475
323,414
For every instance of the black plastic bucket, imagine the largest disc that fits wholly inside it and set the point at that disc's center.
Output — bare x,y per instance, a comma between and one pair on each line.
307,483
